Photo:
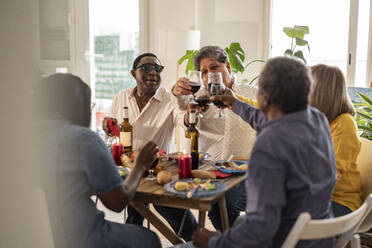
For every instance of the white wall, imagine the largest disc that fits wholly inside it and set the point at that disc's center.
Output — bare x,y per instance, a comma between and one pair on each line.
19,211
220,22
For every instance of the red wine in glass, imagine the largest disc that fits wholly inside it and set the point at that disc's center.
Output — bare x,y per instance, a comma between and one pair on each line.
202,101
194,87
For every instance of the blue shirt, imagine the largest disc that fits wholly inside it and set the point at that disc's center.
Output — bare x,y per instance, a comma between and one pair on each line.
292,169
76,165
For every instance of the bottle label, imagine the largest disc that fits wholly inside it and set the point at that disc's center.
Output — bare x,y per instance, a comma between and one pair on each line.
192,118
126,139
187,147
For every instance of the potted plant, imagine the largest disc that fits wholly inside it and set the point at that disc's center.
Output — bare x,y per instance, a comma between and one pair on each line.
364,116
297,34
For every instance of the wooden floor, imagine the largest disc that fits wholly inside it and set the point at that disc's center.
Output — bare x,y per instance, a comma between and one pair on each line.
119,217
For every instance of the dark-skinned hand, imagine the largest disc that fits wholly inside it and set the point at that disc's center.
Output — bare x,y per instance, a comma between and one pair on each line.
182,87
147,156
227,98
201,237
105,126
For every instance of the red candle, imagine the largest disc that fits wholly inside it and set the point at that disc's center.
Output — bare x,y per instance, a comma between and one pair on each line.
117,151
184,166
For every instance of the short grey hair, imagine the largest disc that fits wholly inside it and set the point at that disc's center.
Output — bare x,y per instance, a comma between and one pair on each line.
213,52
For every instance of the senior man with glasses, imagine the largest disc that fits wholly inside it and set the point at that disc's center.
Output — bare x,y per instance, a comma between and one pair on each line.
153,113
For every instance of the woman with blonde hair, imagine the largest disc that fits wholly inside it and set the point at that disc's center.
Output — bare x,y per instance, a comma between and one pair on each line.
330,96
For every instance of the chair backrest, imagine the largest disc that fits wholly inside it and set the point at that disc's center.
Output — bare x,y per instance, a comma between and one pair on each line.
307,229
367,222
364,163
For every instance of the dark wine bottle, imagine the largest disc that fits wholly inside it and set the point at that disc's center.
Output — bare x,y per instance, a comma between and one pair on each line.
193,134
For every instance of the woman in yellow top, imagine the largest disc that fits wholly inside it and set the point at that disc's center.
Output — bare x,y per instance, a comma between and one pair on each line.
330,96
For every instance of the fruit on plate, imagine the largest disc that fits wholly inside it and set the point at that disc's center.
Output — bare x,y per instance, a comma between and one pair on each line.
163,177
203,174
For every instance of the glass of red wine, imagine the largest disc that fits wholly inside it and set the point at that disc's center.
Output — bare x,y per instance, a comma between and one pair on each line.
216,87
195,82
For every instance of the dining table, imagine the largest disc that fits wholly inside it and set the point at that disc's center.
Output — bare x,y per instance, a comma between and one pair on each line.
149,191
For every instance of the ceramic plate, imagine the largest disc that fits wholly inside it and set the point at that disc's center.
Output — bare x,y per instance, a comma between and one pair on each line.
220,187
225,170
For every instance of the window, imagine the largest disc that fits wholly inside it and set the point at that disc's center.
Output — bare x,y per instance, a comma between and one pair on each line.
330,40
114,35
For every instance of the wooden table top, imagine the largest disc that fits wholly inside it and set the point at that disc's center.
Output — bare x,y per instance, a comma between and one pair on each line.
152,192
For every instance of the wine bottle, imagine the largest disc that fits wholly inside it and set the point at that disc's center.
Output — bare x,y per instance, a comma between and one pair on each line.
193,135
126,133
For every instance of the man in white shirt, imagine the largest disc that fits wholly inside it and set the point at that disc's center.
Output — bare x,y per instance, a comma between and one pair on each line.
212,130
153,114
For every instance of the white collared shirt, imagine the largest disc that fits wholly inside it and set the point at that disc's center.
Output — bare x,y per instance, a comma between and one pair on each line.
155,123
229,135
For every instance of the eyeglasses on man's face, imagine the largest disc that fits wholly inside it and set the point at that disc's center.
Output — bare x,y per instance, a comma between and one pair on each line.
148,67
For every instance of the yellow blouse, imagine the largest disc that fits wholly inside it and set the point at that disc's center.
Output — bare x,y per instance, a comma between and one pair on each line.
348,190
250,101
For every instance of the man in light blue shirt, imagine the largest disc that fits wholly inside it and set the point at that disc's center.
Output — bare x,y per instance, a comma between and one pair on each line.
75,165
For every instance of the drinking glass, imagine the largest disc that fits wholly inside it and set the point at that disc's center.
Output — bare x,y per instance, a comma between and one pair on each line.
216,87
195,83
151,175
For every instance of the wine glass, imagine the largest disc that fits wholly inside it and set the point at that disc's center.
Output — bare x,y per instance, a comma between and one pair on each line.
216,87
195,83
151,175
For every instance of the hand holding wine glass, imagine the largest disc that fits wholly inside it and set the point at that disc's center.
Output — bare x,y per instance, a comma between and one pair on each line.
216,87
194,83
147,157
227,99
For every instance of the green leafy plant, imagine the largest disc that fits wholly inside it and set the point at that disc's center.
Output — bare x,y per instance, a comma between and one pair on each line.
236,58
364,116
297,34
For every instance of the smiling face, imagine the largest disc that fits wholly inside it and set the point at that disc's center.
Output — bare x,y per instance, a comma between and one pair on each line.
212,65
148,82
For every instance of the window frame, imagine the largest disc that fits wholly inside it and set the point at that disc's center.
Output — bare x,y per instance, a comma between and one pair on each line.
352,39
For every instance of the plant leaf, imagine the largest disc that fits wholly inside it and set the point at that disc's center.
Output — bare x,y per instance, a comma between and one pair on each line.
296,31
190,62
366,116
365,128
301,42
288,52
305,29
300,55
188,55
365,98
235,48
288,31
235,61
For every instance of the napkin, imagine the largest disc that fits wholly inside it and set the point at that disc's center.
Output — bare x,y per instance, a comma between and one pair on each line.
220,174
114,129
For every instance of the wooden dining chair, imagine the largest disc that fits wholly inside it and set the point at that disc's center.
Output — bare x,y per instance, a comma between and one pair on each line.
343,227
